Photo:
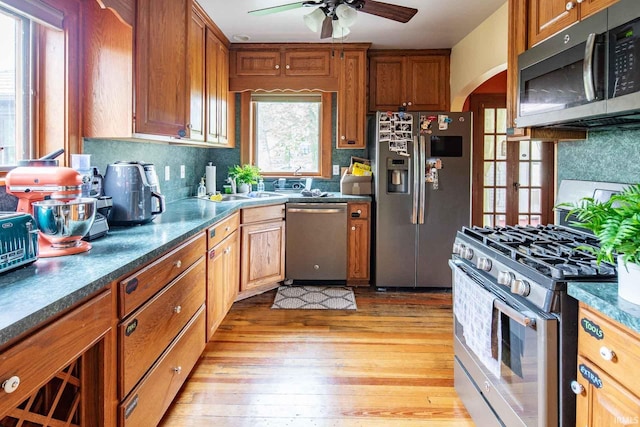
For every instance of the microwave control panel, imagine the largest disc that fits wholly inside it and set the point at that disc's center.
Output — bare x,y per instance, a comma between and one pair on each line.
625,52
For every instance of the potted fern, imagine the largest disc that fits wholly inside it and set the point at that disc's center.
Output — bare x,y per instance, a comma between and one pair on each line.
616,224
244,176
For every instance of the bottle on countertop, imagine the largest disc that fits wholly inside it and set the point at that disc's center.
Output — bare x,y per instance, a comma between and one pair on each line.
202,190
260,188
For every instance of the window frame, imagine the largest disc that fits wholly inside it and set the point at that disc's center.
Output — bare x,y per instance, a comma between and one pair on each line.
248,143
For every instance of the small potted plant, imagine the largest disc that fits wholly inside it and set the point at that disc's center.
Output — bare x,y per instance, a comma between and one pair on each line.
616,224
244,176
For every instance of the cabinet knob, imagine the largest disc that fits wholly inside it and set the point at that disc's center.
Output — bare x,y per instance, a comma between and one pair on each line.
177,309
359,211
579,1
353,229
287,67
409,103
487,387
177,370
570,5
577,388
11,385
607,354
226,251
343,137
178,264
227,228
277,67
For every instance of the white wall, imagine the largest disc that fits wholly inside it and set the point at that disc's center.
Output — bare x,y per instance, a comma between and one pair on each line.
479,56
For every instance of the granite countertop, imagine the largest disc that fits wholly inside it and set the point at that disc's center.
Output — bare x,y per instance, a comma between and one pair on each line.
604,298
34,294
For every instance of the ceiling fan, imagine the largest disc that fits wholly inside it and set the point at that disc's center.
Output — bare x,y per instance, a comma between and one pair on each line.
334,17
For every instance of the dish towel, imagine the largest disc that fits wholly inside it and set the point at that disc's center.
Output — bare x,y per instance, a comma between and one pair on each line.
473,307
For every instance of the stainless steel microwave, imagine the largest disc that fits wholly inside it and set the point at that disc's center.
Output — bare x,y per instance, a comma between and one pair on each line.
587,76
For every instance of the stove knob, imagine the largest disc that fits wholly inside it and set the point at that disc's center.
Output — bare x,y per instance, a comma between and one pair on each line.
505,278
520,287
457,248
467,253
484,264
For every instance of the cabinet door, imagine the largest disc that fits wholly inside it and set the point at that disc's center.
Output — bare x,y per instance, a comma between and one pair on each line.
215,288
427,83
302,63
161,63
351,100
222,77
213,50
196,77
232,270
386,83
262,254
589,7
253,63
610,404
358,250
547,17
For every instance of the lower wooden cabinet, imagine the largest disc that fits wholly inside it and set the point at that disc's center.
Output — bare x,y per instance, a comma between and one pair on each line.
74,354
223,280
608,393
262,248
358,244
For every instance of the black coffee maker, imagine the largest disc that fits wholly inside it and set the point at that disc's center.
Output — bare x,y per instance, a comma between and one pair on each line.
104,204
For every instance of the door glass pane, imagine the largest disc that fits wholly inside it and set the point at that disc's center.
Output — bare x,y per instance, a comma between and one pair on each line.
488,200
536,150
501,151
487,220
489,147
523,179
501,174
536,174
489,174
536,200
501,220
501,200
501,120
524,150
523,219
489,120
523,200
536,220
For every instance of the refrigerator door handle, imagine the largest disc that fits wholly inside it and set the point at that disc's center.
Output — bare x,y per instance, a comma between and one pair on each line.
423,166
416,186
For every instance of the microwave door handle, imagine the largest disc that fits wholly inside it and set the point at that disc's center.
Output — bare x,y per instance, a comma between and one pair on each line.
587,68
416,162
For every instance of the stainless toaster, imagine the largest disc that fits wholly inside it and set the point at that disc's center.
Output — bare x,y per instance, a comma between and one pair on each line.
18,240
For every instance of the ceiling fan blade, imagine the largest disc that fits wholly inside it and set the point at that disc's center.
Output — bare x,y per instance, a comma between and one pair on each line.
327,28
390,11
276,9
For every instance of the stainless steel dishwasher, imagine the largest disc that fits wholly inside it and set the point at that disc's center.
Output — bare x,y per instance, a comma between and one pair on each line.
316,242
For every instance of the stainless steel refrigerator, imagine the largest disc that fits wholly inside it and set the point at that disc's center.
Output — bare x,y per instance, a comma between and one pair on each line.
422,174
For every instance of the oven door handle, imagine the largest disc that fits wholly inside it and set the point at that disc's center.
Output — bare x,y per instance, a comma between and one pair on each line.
514,314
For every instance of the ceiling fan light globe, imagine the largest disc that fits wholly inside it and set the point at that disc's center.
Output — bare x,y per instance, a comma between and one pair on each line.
313,20
346,15
339,31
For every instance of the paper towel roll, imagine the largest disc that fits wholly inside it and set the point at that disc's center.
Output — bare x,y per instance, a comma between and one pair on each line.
210,179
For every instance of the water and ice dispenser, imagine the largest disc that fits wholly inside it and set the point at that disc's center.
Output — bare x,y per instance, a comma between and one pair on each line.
397,175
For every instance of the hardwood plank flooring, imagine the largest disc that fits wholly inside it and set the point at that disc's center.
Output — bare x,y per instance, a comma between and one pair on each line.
387,364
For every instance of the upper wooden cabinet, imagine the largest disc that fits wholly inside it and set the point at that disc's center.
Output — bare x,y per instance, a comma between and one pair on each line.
197,34
217,93
352,102
415,79
547,17
287,66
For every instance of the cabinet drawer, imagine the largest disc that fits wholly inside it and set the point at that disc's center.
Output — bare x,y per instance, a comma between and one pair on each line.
263,213
219,231
358,210
598,334
148,402
36,359
148,331
139,287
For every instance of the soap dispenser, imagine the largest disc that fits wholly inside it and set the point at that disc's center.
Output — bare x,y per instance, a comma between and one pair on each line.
202,190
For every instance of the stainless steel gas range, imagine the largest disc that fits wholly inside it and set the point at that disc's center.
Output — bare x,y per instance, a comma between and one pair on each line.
515,326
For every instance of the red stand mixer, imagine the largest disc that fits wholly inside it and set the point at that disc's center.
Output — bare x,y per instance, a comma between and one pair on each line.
53,196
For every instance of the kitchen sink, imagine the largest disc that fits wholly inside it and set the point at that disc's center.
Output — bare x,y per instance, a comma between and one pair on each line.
233,197
264,194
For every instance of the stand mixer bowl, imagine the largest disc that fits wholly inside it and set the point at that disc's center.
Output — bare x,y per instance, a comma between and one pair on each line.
64,223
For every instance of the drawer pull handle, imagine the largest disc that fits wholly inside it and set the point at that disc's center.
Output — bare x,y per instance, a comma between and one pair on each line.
577,388
178,264
607,354
177,370
11,385
177,309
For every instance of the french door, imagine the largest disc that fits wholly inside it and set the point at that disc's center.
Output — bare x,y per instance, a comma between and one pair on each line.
512,181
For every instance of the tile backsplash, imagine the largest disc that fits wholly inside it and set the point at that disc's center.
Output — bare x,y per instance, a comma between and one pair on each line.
610,156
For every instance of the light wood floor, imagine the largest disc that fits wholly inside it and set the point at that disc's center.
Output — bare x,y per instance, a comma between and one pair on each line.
388,364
